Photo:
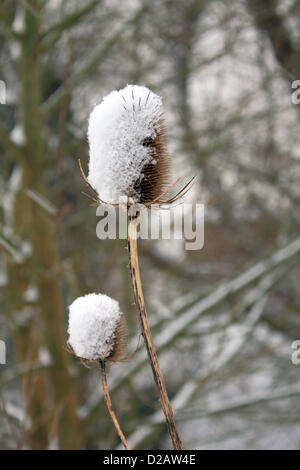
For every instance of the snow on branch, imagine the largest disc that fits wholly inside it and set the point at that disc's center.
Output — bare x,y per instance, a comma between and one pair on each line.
41,201
280,394
180,324
186,392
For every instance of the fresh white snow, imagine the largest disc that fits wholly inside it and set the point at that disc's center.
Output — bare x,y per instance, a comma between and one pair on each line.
93,320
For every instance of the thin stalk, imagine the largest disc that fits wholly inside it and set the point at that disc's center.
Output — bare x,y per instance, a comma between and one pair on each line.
140,303
109,405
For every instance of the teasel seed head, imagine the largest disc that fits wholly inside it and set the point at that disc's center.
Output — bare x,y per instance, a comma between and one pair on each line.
97,328
128,149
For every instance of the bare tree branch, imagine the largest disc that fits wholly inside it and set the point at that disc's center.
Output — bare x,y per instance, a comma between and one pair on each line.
90,64
268,20
71,20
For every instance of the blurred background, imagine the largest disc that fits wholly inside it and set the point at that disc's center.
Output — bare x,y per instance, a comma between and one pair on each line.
224,318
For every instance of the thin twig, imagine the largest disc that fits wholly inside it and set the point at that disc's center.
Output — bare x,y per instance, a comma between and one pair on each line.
140,303
96,198
109,405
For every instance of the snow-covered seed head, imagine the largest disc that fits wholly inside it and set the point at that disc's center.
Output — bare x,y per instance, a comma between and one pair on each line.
128,151
96,328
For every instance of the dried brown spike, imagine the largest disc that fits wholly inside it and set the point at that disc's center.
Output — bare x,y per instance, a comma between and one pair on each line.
120,341
154,176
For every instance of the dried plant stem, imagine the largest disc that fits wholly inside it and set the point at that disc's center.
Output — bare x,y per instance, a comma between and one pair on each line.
109,405
140,303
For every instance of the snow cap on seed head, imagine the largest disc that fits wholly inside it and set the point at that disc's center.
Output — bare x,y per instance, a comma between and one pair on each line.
128,152
95,327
